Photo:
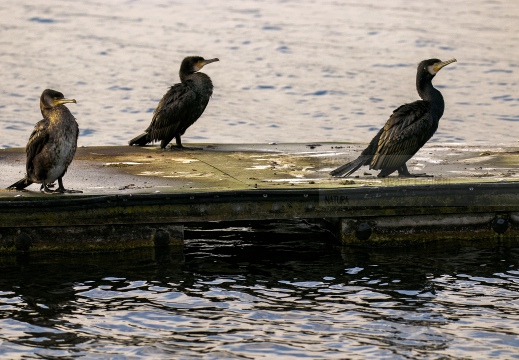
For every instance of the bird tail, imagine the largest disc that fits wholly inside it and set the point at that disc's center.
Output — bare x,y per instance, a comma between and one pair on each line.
140,140
21,184
349,168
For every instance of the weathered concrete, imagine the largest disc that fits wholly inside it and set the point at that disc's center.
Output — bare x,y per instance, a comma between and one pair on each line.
131,170
414,229
130,193
81,238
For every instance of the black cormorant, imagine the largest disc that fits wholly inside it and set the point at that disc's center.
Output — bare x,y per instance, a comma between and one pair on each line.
52,144
407,130
181,106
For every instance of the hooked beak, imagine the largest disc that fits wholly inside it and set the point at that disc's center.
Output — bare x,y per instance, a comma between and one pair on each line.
203,63
439,65
63,101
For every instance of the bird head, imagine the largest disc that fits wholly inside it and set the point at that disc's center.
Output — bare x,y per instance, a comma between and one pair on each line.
51,98
428,69
432,66
192,64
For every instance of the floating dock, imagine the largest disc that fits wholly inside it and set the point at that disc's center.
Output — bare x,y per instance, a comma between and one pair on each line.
143,196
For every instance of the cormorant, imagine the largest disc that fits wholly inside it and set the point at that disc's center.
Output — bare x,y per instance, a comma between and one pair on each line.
181,106
52,144
407,129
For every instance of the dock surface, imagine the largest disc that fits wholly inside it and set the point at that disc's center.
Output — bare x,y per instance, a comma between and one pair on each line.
474,190
130,170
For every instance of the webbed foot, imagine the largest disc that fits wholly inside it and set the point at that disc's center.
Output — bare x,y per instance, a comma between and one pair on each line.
404,172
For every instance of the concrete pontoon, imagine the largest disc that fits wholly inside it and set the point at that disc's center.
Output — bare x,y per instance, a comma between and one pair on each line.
135,196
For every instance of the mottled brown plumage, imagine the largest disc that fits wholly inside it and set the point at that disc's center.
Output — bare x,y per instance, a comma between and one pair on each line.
52,144
407,129
181,106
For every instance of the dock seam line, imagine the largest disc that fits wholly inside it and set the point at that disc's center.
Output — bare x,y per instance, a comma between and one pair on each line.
223,172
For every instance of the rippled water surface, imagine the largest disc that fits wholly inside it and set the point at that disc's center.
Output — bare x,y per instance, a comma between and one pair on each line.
290,71
235,292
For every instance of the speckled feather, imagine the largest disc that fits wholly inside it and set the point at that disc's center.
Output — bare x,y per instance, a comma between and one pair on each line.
52,145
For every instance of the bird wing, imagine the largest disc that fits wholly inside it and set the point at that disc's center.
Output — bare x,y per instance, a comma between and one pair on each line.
39,137
405,132
172,110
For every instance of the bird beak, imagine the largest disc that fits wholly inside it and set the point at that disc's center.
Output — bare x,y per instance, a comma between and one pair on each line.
439,65
203,63
63,101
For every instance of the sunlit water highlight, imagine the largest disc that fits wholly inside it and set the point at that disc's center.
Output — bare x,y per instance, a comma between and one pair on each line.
290,71
236,292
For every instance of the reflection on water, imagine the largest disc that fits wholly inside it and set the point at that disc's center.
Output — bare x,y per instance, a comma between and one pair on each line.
243,293
289,71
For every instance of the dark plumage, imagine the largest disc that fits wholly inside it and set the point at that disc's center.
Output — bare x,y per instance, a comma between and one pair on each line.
181,106
407,130
52,144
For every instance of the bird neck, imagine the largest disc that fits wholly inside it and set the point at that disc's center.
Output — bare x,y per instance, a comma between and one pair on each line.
197,81
57,114
434,97
186,76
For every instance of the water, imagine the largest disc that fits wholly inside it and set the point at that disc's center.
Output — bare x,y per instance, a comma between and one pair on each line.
290,71
257,292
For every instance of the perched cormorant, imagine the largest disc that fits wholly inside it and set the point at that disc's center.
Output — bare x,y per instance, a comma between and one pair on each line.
52,144
181,106
407,129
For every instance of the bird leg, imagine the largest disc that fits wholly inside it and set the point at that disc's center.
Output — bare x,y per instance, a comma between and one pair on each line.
179,145
61,189
51,185
403,172
45,187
